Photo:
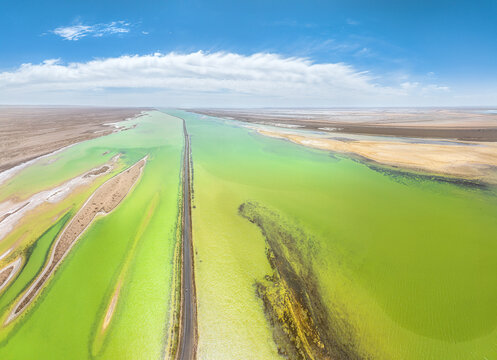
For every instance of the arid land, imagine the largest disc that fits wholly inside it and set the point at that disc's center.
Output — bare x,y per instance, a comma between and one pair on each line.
460,124
29,132
460,143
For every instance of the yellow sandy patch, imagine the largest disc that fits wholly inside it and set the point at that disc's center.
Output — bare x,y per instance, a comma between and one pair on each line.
468,160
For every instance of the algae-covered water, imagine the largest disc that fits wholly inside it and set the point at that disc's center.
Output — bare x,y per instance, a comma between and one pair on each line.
131,249
403,266
297,251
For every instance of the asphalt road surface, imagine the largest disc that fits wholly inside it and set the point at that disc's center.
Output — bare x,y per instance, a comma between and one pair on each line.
189,314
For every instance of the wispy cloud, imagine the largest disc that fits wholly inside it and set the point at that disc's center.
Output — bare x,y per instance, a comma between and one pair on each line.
215,79
424,88
364,52
78,31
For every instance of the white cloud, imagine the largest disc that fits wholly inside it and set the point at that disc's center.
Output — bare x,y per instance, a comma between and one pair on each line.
435,87
200,79
76,32
427,90
408,85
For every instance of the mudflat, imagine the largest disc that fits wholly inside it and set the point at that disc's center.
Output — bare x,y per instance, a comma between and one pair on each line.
460,142
466,160
5,273
469,124
8,272
29,132
103,201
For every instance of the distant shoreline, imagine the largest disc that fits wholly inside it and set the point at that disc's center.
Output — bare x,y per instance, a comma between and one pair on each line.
28,133
460,124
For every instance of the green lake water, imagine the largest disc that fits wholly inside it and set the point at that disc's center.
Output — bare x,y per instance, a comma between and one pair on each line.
134,243
406,261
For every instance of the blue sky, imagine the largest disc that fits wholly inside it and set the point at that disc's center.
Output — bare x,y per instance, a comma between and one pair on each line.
401,52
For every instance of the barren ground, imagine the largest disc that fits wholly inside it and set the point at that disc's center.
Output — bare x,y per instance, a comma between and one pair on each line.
461,124
410,138
30,132
475,161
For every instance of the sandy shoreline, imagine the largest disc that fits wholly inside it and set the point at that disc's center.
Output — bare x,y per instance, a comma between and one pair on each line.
459,143
473,161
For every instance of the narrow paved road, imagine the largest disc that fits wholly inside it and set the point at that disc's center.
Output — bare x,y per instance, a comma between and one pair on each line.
189,315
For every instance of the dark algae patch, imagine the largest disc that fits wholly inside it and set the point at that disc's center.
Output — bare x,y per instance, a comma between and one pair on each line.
403,176
303,326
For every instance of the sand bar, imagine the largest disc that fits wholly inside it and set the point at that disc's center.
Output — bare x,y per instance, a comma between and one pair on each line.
102,201
12,212
8,272
476,161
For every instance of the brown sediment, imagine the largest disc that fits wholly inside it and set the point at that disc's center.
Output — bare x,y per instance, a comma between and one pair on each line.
99,171
102,201
13,212
451,123
27,133
468,160
8,272
4,274
304,327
